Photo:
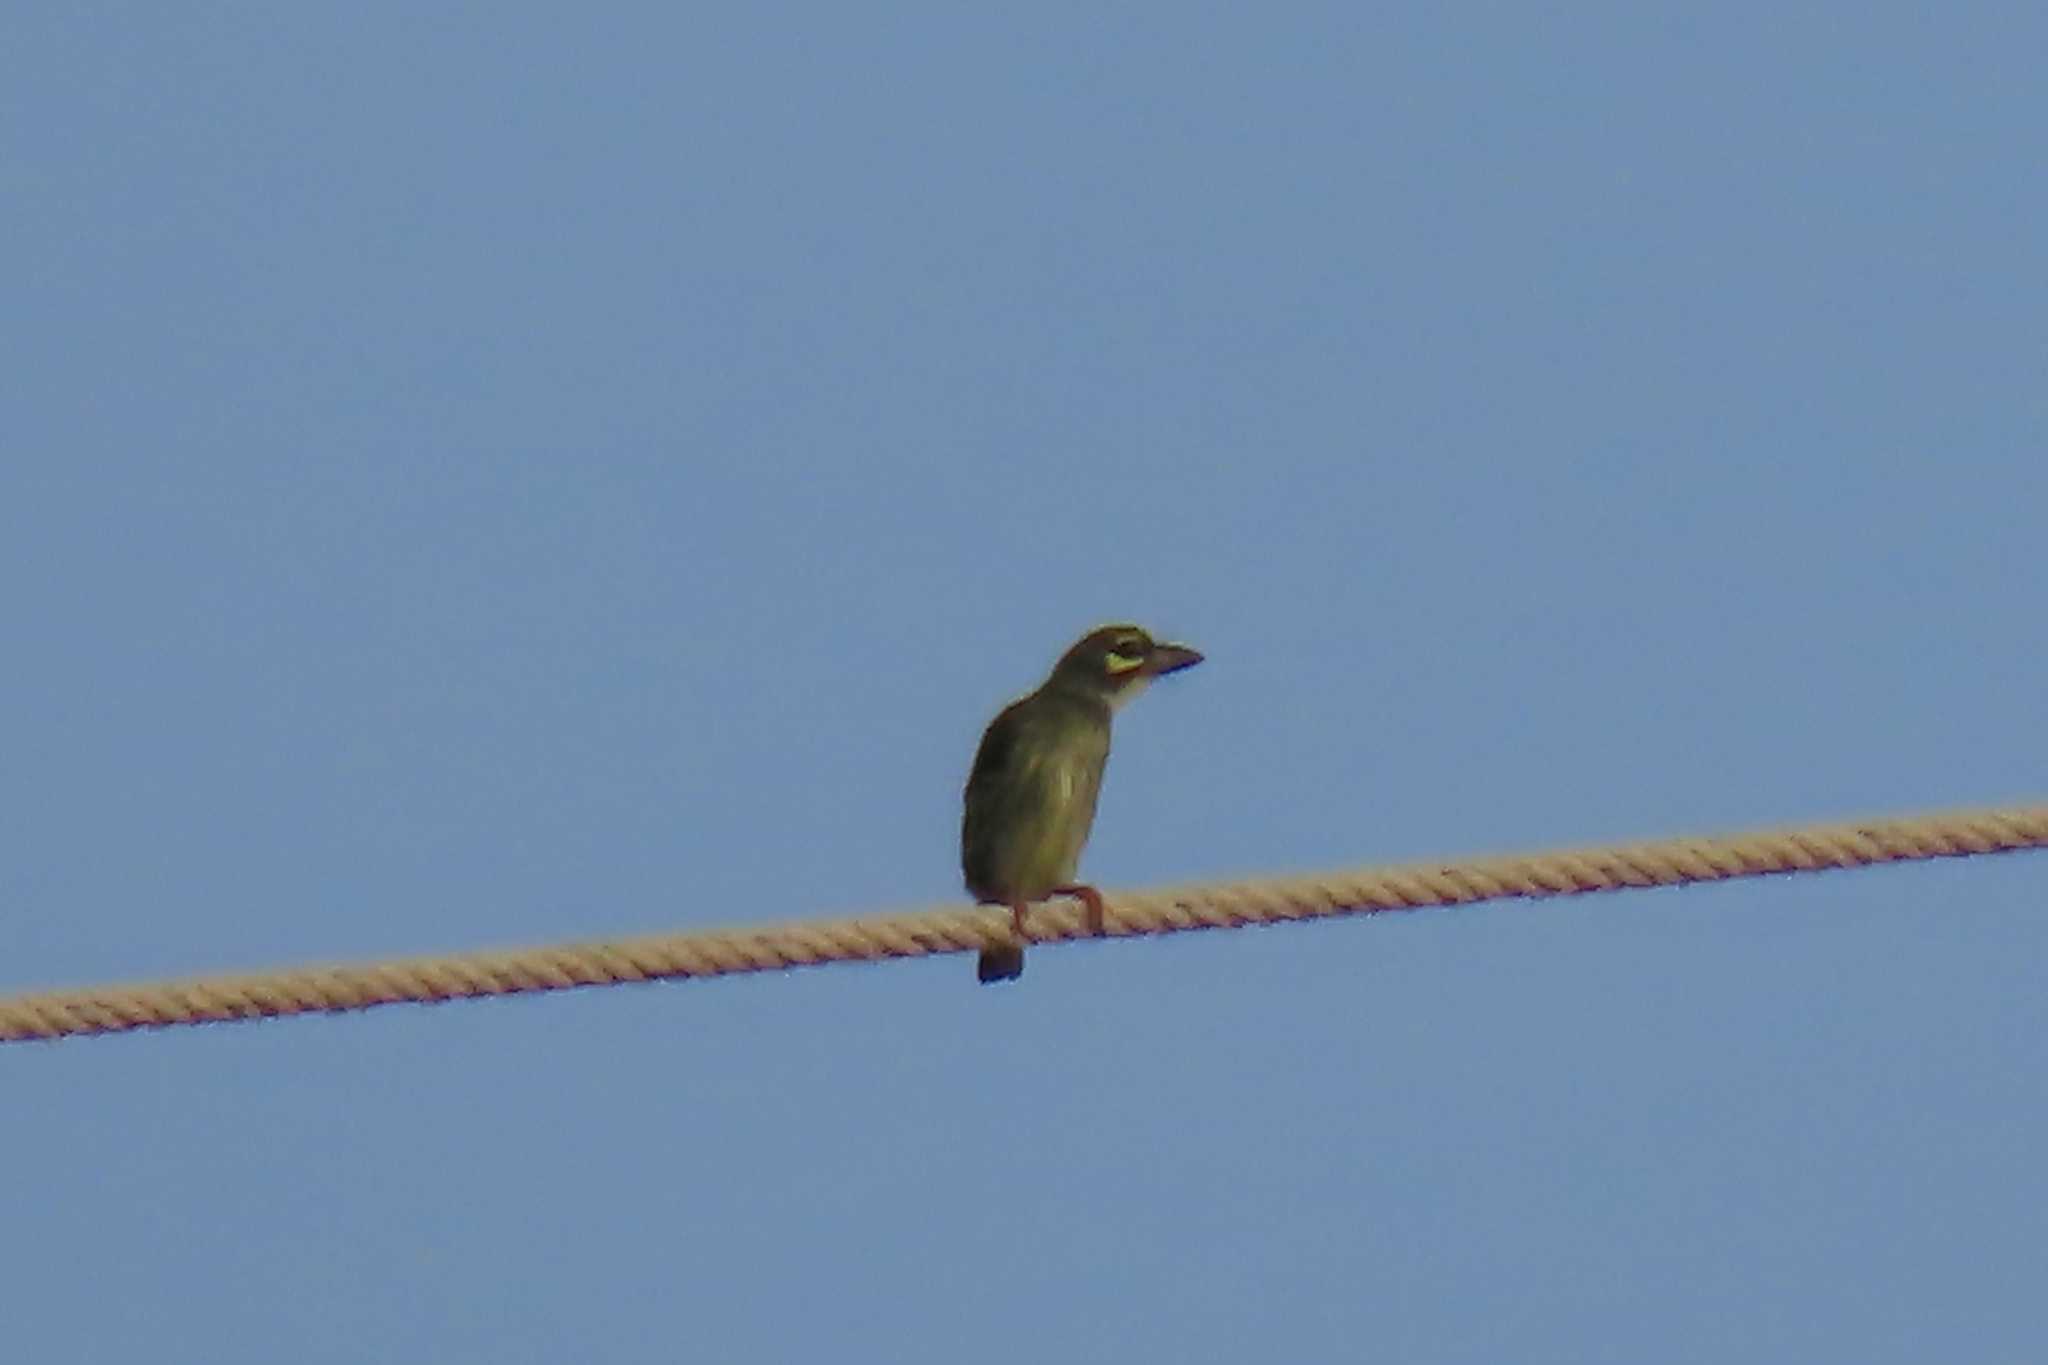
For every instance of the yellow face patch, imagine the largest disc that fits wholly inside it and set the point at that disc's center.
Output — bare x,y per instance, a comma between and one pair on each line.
1121,663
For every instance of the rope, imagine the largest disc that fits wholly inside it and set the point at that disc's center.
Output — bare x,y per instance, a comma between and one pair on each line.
1668,862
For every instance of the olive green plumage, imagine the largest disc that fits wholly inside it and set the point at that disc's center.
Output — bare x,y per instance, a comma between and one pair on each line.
1031,796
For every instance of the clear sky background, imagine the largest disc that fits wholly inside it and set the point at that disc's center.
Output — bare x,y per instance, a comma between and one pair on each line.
478,475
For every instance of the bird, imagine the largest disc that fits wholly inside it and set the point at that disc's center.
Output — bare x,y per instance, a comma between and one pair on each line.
1030,798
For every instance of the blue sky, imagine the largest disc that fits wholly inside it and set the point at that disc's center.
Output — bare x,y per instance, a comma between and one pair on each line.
488,475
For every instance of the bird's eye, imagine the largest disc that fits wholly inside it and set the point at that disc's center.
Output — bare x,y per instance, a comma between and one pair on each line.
1127,654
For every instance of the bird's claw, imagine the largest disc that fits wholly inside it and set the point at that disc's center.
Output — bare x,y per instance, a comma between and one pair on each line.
1092,913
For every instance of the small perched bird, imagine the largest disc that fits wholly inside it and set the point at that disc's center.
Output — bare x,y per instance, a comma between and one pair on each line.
1031,795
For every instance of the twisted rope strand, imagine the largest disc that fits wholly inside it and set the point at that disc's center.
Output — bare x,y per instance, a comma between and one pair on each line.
1667,862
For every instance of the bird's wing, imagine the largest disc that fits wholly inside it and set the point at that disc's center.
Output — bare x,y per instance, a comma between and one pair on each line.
1031,799
993,761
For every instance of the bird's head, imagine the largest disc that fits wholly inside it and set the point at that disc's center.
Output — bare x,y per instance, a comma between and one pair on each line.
1116,662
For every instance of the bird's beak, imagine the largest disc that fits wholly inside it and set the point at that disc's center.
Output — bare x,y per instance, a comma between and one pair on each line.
1170,659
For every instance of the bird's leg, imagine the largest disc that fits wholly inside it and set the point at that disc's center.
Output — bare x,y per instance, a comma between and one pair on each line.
1017,909
1091,906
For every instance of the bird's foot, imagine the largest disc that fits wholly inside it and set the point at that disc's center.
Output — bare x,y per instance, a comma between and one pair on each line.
1091,906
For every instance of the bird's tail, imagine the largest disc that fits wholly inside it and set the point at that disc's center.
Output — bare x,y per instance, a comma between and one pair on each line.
1000,962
